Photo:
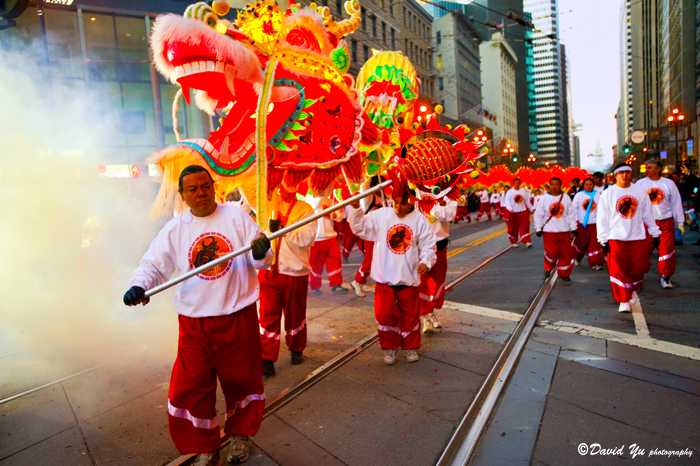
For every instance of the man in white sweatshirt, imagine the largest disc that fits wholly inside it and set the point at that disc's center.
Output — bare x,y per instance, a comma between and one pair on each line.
484,204
517,203
404,249
218,336
495,201
623,213
555,221
284,286
432,285
667,206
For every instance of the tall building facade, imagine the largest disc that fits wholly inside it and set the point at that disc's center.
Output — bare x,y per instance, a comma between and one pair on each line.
498,89
458,69
625,112
551,120
568,109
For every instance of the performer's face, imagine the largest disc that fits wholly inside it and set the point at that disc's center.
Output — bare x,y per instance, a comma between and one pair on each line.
588,185
653,171
516,184
623,179
198,193
555,187
404,206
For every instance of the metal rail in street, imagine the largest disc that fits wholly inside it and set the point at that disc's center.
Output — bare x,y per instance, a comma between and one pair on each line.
465,438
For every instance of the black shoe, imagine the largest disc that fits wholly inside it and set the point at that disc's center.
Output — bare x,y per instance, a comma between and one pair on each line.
566,279
547,274
268,368
297,357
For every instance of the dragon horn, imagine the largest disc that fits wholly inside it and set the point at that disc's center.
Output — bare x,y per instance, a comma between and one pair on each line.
350,25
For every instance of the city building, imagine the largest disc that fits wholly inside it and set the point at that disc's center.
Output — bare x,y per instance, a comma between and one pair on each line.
458,69
625,112
498,64
568,109
552,121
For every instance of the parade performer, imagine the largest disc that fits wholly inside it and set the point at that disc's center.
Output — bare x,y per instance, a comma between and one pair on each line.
325,251
218,336
284,286
495,201
555,220
667,206
404,249
624,210
359,284
586,244
432,285
463,208
598,182
484,204
517,202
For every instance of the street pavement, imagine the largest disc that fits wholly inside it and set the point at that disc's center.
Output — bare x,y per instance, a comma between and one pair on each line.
587,377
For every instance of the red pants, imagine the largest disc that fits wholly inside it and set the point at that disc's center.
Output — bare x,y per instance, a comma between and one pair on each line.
325,253
224,347
396,311
366,266
558,251
282,294
348,238
667,247
519,227
462,213
432,285
586,244
484,208
627,263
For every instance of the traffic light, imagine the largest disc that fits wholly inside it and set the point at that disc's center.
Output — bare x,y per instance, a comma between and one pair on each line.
626,149
515,158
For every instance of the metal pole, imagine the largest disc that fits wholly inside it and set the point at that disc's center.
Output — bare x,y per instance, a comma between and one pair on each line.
275,235
678,156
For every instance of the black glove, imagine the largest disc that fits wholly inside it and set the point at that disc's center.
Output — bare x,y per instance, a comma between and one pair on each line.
275,225
655,242
135,295
260,246
605,247
538,233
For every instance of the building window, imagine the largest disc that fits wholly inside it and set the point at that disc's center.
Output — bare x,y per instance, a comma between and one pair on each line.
393,39
353,48
384,33
438,37
373,20
365,52
364,19
441,83
339,7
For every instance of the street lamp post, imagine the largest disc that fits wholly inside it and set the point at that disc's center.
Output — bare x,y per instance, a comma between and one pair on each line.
676,118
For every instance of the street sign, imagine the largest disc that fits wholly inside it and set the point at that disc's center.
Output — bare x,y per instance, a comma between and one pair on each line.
637,137
663,154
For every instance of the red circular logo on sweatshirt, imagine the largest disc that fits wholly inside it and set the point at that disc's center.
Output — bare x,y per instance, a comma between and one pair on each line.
206,248
627,206
584,204
518,198
399,238
656,195
556,209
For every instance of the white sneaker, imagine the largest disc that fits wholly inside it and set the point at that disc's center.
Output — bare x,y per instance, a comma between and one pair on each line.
528,245
624,307
346,286
597,267
577,262
207,459
665,284
412,356
514,245
238,450
368,288
426,325
358,289
389,357
434,320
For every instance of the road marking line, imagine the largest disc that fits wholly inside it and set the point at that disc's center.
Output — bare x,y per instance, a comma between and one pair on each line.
640,322
476,242
638,341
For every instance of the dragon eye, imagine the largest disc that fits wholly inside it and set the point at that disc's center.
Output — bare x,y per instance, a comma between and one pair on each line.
210,19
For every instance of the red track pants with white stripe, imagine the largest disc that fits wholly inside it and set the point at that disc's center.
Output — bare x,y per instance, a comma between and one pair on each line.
628,261
558,252
366,266
282,294
667,247
519,227
484,209
224,347
396,311
432,285
325,252
348,238
586,245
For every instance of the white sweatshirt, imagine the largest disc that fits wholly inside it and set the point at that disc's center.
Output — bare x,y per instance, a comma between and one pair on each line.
517,200
623,213
186,242
441,218
484,196
295,248
559,208
400,244
581,200
665,199
495,198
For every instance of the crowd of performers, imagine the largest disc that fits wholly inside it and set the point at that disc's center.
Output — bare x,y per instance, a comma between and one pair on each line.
224,335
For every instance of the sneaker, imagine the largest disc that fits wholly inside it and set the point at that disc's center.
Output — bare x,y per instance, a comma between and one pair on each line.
434,320
316,291
528,245
566,279
207,459
426,325
368,288
268,368
412,356
514,245
577,262
665,283
338,289
358,289
297,358
346,286
238,450
624,307
547,274
389,357
597,267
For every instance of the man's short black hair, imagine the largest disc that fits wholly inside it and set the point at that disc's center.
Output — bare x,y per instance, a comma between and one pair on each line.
189,170
516,179
600,174
656,162
555,178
